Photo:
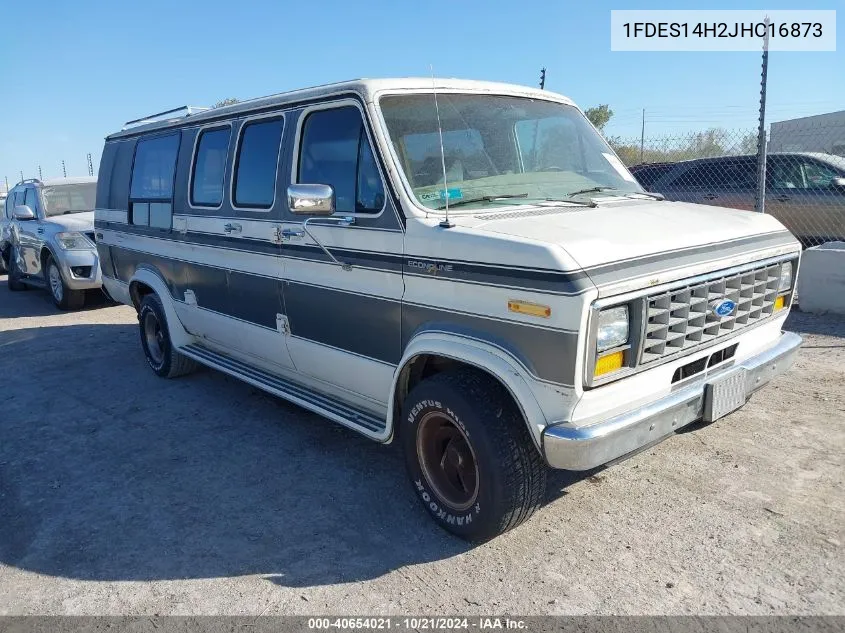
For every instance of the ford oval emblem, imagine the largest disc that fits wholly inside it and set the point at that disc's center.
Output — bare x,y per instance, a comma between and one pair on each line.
722,308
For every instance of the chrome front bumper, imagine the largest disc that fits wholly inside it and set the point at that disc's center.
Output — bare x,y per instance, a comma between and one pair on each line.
583,448
82,258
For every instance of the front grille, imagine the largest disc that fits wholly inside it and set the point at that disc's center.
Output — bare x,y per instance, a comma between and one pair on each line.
681,319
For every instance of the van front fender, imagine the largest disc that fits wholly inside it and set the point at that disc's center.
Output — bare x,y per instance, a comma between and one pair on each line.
487,357
179,337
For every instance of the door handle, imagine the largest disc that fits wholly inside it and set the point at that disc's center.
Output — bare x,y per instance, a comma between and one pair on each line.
710,196
232,227
289,233
40,229
782,198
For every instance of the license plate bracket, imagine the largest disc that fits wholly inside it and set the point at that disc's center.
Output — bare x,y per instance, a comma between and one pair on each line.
724,394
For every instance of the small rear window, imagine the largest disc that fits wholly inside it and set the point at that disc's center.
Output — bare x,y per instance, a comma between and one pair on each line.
209,166
151,190
155,163
255,166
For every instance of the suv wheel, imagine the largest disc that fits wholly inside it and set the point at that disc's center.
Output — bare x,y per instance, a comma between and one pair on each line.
469,455
164,360
65,298
14,279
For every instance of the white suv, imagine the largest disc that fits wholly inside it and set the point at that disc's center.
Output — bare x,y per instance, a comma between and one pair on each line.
47,238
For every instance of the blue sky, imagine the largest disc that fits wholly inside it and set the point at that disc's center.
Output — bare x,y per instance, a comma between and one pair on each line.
76,71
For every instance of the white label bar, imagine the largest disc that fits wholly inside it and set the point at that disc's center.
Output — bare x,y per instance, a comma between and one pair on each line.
675,30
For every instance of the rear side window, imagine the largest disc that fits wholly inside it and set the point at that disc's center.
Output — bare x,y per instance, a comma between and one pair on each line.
647,176
720,174
335,151
209,166
256,163
151,190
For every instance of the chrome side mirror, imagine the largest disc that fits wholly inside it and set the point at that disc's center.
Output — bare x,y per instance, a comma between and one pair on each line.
23,212
311,199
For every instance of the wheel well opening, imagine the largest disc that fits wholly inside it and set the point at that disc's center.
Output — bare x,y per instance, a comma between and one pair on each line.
137,291
45,255
424,366
420,368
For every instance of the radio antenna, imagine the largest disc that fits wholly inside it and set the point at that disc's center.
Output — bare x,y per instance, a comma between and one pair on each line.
446,224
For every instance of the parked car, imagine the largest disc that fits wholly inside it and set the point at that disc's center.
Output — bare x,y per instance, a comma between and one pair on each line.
478,277
805,191
48,238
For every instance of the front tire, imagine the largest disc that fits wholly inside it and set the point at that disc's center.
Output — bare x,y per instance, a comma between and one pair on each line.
469,455
162,357
65,298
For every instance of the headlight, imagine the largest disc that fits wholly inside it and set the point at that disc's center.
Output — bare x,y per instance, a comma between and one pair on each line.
73,241
613,328
785,282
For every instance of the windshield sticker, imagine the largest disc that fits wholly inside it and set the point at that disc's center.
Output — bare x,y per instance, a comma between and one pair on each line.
619,167
443,195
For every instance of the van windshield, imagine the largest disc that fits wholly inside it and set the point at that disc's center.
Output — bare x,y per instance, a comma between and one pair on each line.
71,198
500,150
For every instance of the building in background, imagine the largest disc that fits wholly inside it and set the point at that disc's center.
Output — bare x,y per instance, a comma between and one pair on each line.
818,133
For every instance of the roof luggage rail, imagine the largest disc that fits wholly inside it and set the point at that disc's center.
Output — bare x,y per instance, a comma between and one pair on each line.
186,111
26,180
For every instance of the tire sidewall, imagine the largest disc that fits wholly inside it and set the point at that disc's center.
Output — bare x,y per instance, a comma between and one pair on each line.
475,522
152,304
60,303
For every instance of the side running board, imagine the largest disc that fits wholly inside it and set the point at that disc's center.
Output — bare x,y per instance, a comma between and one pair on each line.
356,419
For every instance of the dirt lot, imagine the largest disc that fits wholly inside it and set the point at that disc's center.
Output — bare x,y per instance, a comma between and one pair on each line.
122,493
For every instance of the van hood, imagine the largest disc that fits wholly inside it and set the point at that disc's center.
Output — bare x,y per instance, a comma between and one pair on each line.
624,245
74,221
628,229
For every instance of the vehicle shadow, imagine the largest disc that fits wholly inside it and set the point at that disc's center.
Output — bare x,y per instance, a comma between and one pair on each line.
34,302
110,473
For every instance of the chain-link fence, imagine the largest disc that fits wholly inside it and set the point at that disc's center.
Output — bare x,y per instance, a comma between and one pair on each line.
805,173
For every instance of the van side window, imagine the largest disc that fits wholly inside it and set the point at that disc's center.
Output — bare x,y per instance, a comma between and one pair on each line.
256,163
151,190
209,165
335,151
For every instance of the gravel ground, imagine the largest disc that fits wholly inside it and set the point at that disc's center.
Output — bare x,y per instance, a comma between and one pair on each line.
122,493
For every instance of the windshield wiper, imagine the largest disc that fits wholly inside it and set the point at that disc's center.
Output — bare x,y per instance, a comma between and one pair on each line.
590,190
615,192
650,194
504,196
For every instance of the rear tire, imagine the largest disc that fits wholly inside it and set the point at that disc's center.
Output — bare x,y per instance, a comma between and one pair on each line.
162,357
469,455
14,280
65,298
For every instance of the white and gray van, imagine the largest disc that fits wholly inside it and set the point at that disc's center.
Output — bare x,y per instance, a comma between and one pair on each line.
465,267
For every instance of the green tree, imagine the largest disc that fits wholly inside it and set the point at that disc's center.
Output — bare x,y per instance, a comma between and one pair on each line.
226,102
748,144
599,116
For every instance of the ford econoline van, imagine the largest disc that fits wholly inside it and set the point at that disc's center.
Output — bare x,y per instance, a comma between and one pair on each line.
466,268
